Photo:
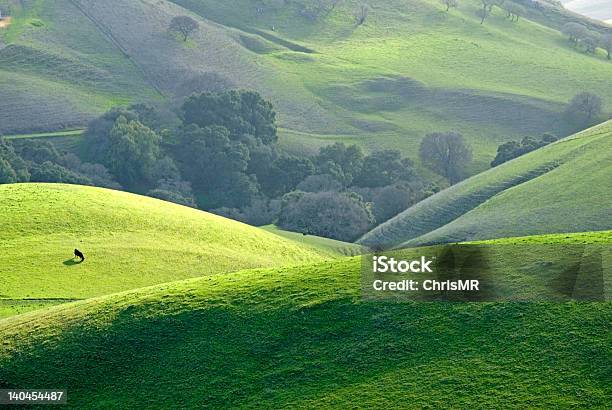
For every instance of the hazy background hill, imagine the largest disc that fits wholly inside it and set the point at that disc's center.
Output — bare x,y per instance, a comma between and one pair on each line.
410,69
598,9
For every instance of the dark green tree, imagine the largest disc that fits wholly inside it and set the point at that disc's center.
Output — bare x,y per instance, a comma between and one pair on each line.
51,172
96,143
38,151
320,183
286,173
383,168
7,173
391,200
215,165
133,152
330,214
14,168
242,113
342,162
514,149
176,191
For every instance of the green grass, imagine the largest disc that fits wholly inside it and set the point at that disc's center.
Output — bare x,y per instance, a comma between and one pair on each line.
325,244
303,337
563,187
12,307
65,133
597,237
489,82
60,71
410,70
41,224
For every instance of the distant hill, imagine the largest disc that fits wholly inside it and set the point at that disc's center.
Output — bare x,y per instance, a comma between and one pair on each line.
129,242
563,187
597,9
303,337
412,68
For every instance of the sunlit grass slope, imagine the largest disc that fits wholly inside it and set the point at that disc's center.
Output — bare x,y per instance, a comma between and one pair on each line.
302,336
129,242
325,244
563,187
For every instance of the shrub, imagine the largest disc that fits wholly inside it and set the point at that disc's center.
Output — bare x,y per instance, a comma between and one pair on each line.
333,215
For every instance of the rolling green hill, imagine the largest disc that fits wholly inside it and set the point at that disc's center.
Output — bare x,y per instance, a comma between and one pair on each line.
410,69
563,187
302,336
325,244
129,241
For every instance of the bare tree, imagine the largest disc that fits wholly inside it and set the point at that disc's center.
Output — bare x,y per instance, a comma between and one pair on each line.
584,109
591,41
606,44
574,31
184,25
450,4
514,11
446,153
487,7
362,14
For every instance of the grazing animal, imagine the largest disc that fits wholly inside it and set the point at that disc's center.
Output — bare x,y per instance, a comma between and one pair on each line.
79,254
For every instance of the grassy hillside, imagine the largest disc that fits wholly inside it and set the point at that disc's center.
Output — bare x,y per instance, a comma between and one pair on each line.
129,242
325,244
563,187
303,336
58,70
411,69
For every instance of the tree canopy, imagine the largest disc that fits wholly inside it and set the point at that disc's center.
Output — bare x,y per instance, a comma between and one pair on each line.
184,25
242,113
447,154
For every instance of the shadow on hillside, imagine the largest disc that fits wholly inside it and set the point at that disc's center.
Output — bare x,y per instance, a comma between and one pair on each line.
72,262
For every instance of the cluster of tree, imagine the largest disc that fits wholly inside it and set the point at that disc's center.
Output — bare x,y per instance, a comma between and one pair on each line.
588,40
203,160
514,149
222,155
513,11
39,161
315,9
339,193
584,110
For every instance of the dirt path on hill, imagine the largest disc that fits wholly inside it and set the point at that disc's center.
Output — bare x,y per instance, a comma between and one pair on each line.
5,22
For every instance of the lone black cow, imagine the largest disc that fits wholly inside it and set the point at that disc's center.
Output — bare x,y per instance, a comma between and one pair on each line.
79,254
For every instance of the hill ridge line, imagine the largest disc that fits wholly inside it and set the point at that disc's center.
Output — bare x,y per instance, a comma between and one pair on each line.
475,199
458,205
